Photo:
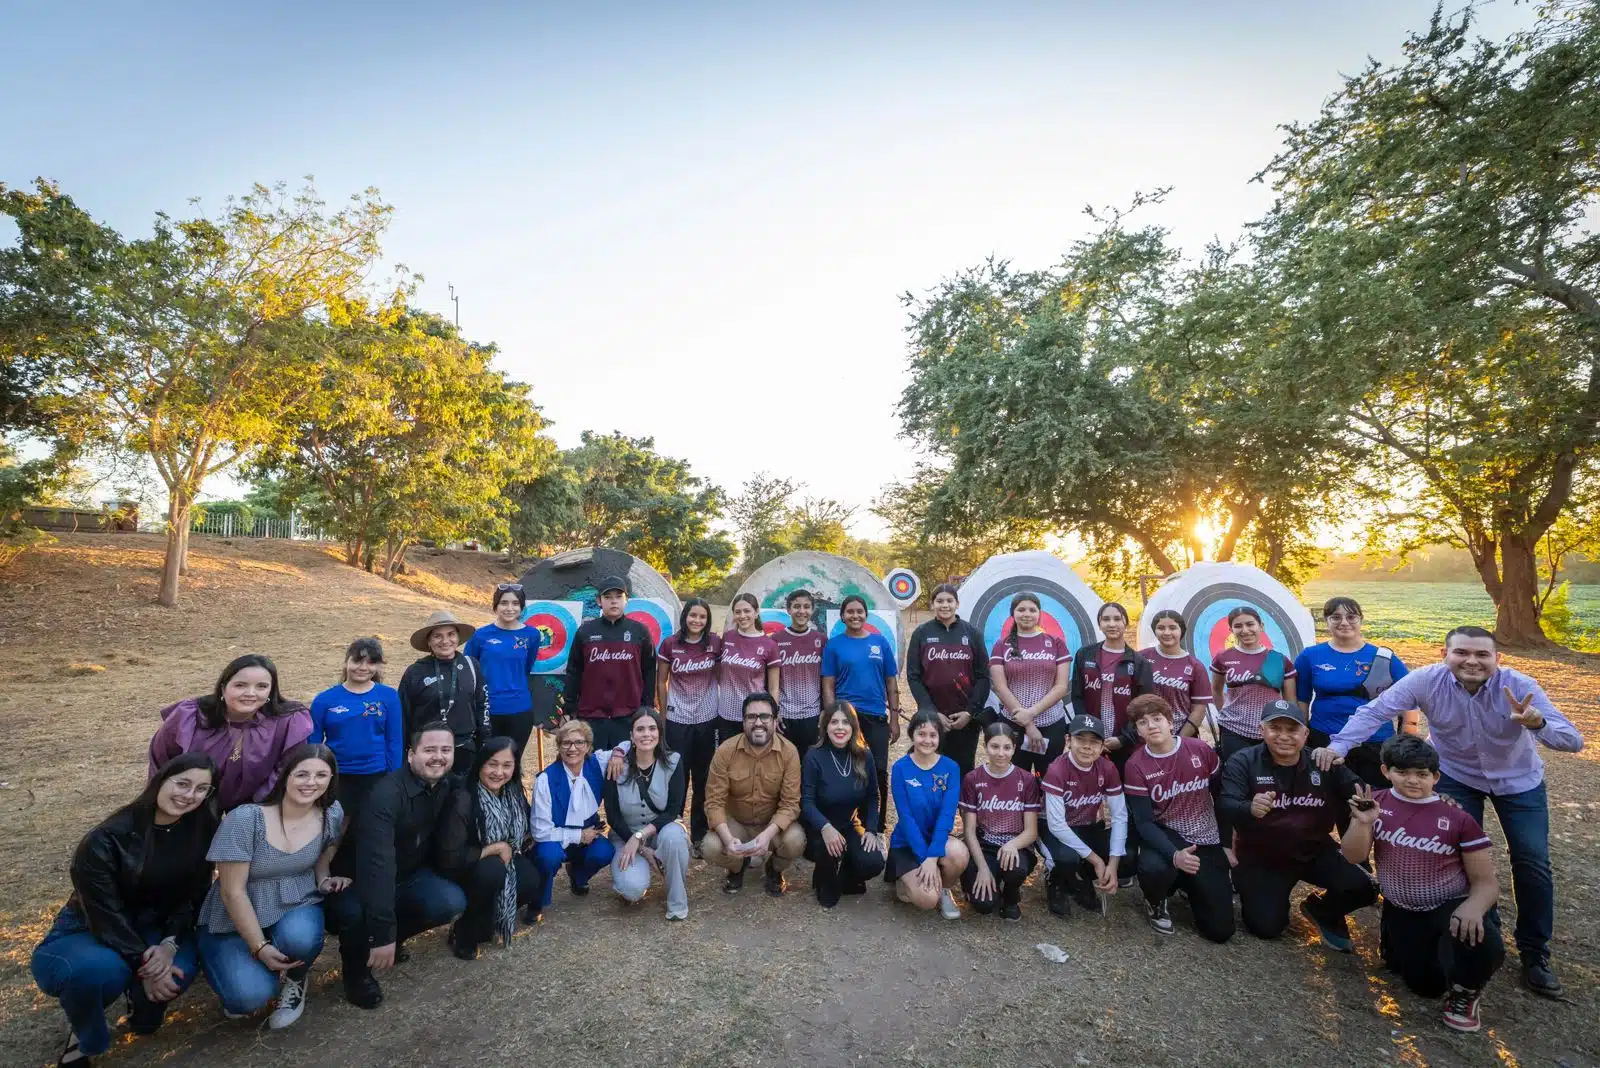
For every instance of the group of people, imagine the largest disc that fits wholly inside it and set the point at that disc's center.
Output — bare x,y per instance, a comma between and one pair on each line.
378,813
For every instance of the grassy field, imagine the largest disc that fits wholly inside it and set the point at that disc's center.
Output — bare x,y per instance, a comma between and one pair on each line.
1426,610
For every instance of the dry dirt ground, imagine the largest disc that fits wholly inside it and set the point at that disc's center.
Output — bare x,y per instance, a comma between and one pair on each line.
88,661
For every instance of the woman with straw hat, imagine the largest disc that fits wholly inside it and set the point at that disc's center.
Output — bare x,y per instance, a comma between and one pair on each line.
446,686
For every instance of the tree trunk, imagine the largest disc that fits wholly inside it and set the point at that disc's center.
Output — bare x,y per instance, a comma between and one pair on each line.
183,545
1238,519
394,559
179,513
1516,617
352,552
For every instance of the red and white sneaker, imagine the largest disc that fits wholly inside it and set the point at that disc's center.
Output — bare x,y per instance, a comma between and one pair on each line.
1461,1010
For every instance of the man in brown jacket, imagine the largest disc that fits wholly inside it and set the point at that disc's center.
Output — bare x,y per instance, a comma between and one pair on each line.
753,800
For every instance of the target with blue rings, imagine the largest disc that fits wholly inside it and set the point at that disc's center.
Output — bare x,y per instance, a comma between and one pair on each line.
557,624
774,620
655,616
1209,632
877,623
903,585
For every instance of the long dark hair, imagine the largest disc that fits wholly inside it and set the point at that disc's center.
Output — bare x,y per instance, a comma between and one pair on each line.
705,633
202,822
662,749
1016,648
214,710
856,746
294,758
750,599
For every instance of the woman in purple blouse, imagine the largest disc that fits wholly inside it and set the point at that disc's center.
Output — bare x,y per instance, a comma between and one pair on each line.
245,725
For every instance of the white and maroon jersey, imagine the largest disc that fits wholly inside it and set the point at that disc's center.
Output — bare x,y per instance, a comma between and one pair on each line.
1031,671
742,670
1417,848
1082,790
1178,785
998,803
799,672
1245,693
1180,680
692,686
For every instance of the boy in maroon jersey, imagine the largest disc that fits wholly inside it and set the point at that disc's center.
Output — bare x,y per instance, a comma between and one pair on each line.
1169,783
1085,851
1440,929
611,670
800,646
1000,805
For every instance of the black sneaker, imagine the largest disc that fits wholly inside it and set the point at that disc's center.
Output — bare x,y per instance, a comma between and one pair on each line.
1126,880
533,915
362,990
1160,917
1087,897
464,948
580,891
734,882
1538,977
1010,912
71,1057
773,882
1335,930
1057,898
144,1017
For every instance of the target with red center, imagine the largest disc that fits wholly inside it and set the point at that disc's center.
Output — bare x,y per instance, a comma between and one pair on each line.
1204,595
903,585
774,619
557,623
653,615
877,623
1067,605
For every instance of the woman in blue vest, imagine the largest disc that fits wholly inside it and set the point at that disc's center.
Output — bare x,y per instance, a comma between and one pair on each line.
567,828
1336,677
508,650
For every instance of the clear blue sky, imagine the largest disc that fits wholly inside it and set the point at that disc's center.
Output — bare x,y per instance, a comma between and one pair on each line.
693,221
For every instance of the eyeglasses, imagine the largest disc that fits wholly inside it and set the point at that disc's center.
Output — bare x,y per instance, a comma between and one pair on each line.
758,717
504,586
578,744
184,789
1343,617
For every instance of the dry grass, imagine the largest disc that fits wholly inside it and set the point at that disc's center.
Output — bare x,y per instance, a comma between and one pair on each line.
747,980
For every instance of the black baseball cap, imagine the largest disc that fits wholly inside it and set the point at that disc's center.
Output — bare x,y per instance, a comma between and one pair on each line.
1086,725
611,582
1283,710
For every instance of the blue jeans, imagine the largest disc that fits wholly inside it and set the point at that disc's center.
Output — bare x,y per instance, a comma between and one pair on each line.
582,862
243,984
423,900
86,975
1525,819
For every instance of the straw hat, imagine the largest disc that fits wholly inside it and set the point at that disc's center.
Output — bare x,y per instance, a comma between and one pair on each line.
441,618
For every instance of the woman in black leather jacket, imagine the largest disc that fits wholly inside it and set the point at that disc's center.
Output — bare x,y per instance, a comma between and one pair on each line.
137,883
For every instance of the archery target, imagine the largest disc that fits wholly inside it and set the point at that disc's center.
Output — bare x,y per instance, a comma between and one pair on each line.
1066,602
829,578
877,623
1206,593
655,616
774,619
904,586
557,623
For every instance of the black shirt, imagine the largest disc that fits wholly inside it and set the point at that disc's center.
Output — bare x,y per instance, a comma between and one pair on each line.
397,833
829,796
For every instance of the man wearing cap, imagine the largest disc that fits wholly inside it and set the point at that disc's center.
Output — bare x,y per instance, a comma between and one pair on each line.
1283,809
446,686
611,671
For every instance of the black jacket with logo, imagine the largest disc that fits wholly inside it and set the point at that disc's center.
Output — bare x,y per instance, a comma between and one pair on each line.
1304,814
453,692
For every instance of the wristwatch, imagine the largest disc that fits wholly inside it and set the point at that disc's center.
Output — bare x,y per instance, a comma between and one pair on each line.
638,836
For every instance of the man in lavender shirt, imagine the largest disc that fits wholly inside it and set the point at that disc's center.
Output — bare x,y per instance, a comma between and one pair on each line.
1485,721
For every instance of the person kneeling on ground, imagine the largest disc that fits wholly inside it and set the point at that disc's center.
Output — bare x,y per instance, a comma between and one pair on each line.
567,828
1086,853
261,926
394,853
485,843
1000,806
1169,786
1440,929
925,862
753,800
128,928
643,806
1283,809
838,799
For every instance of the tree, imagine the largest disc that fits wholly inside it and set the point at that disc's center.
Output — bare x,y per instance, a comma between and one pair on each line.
409,436
188,345
1436,224
619,492
949,549
760,515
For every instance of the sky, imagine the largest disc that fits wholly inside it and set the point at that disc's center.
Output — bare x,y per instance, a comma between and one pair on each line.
693,221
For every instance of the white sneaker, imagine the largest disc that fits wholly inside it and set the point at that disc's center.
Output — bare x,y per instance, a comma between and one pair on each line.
947,906
291,1003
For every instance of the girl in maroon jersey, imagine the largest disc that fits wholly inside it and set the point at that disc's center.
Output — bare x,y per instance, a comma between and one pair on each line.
1000,805
1178,674
686,686
1106,675
1248,675
1028,671
750,661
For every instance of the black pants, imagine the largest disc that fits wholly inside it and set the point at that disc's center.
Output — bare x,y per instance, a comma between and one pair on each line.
353,793
519,728
1366,760
802,733
1055,736
1119,759
1070,871
1264,890
1430,959
876,731
1007,883
482,881
847,873
610,731
466,754
696,743
962,746
1209,890
1229,743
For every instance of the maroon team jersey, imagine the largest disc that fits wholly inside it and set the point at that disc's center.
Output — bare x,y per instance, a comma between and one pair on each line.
998,804
743,670
799,672
1104,696
1082,790
949,666
1178,785
1241,712
1180,680
692,688
1031,670
1417,848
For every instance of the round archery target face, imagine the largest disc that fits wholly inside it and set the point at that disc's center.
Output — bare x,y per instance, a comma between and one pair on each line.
774,619
1210,633
903,585
877,623
557,623
1059,614
653,616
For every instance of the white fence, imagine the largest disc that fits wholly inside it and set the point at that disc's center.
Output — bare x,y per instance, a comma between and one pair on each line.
229,525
